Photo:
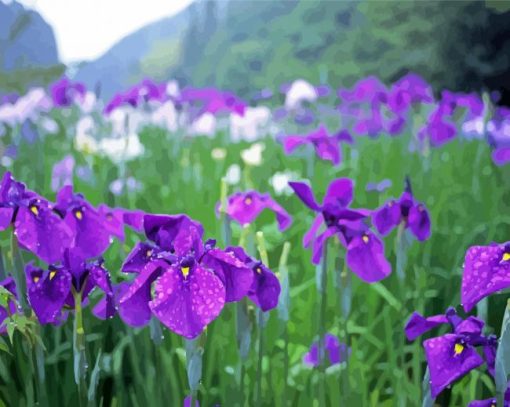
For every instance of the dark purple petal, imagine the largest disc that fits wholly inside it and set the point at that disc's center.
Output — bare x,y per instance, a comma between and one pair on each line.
305,193
99,277
486,270
449,359
489,352
138,258
177,233
365,257
265,290
42,232
337,352
5,217
236,276
339,193
100,310
501,155
47,292
311,358
387,217
134,219
417,324
483,403
134,305
187,302
113,220
187,402
470,325
419,222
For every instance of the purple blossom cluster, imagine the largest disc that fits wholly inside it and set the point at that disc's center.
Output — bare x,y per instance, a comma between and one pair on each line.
179,278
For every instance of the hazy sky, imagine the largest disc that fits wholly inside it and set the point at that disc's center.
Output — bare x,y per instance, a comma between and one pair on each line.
85,29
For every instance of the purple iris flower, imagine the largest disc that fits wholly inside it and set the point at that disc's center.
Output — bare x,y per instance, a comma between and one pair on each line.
37,228
486,271
143,92
50,290
368,89
91,235
192,280
492,402
501,155
336,352
265,288
213,101
326,146
187,402
62,173
245,207
409,90
451,356
365,251
406,210
10,286
64,92
439,128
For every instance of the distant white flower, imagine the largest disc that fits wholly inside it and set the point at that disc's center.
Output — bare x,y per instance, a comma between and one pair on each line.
233,175
253,155
280,182
120,149
252,125
84,141
172,88
26,107
165,116
88,102
474,127
205,125
218,154
300,91
49,125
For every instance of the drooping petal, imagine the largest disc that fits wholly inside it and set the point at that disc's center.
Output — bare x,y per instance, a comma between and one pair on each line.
5,217
282,216
486,270
489,351
134,305
290,143
365,257
100,310
339,192
471,325
312,232
336,351
42,232
236,276
100,278
387,217
305,193
318,244
501,156
47,292
265,290
417,324
311,358
448,360
186,305
419,222
113,221
134,219
138,258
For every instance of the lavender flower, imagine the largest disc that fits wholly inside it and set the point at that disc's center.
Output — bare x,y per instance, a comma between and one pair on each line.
452,355
326,146
336,352
365,251
64,92
407,211
62,173
245,207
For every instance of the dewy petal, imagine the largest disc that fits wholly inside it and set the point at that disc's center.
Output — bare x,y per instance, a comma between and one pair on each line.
138,258
134,305
419,222
305,193
417,324
113,220
43,232
266,288
471,325
445,364
134,219
312,232
339,193
100,278
177,233
236,276
187,304
365,257
5,217
486,270
47,292
387,217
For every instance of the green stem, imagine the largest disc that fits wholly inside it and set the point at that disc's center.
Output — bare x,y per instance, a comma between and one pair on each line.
260,356
322,291
80,357
18,274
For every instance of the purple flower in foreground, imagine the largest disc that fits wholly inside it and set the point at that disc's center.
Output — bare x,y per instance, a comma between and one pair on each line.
486,271
326,146
245,207
492,402
451,356
365,251
192,280
37,228
336,352
407,211
50,290
64,92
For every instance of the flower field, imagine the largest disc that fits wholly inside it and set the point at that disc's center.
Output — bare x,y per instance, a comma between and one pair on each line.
308,247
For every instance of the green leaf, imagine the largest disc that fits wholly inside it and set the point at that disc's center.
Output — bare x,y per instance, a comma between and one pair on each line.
503,357
427,401
94,378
